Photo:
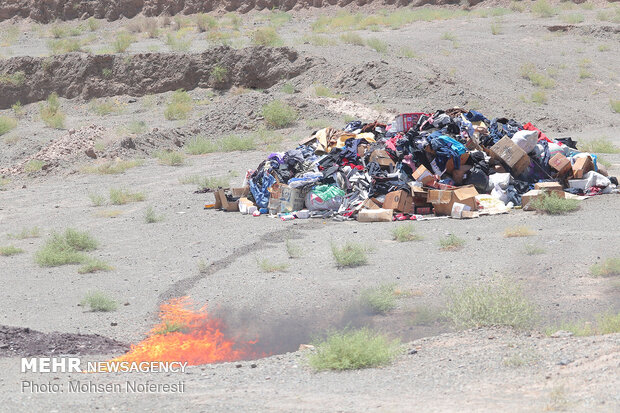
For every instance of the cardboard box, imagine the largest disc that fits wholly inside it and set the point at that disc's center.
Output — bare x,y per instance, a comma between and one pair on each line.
371,203
399,201
240,192
511,155
458,175
292,199
560,163
375,215
381,157
529,196
421,174
549,187
274,205
443,200
450,163
406,121
582,166
221,201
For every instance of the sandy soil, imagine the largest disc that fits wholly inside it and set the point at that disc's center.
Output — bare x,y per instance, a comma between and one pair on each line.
452,370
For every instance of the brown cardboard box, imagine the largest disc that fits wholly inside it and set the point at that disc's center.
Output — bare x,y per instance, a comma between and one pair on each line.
529,196
421,174
375,215
222,202
510,154
292,199
399,201
549,186
582,166
371,204
240,192
450,163
382,158
443,200
560,163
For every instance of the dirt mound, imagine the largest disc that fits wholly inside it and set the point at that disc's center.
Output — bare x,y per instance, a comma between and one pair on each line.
47,11
88,76
24,342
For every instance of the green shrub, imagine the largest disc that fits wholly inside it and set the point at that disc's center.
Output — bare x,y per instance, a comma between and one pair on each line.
67,248
34,165
119,196
122,41
170,158
7,124
377,44
292,250
25,233
16,78
51,113
553,204
572,18
150,217
93,265
518,231
219,73
498,303
353,349
539,97
288,88
97,199
406,52
349,255
451,243
10,250
278,114
405,233
171,327
531,249
615,105
528,71
64,46
106,107
352,38
179,107
610,266
542,8
99,302
204,22
112,167
179,41
93,24
324,91
607,323
199,145
318,40
601,145
58,31
266,36
379,300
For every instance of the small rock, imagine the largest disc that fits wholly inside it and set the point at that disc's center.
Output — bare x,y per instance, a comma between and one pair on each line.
238,365
113,324
414,351
132,100
253,365
564,362
90,152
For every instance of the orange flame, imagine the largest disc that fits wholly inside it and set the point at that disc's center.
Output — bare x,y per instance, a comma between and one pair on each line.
187,335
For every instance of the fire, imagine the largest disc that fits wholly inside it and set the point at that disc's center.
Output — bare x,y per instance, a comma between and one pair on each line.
188,336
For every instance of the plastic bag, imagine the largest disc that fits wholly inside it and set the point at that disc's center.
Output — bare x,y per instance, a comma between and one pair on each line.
526,139
324,198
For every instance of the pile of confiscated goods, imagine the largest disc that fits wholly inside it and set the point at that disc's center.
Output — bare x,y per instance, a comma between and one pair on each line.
454,163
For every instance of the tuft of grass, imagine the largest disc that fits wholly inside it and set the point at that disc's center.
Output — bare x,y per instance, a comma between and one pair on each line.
34,165
319,40
170,327
93,24
51,113
293,251
122,41
179,41
7,124
615,105
179,106
106,107
109,213
150,217
499,303
200,145
606,323
531,249
496,28
353,349
278,114
170,158
63,46
528,71
572,18
448,36
316,124
600,145
611,266
609,15
584,73
352,38
202,267
542,8
405,233
451,243
92,265
379,300
268,266
112,167
25,233
406,52
99,302
349,255
15,79
539,97
204,22
279,18
288,88
266,36
518,231
120,196
97,199
233,143
206,182
378,45
324,91
10,250
66,248
554,205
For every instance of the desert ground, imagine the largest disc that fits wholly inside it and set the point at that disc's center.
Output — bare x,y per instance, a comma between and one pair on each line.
137,84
